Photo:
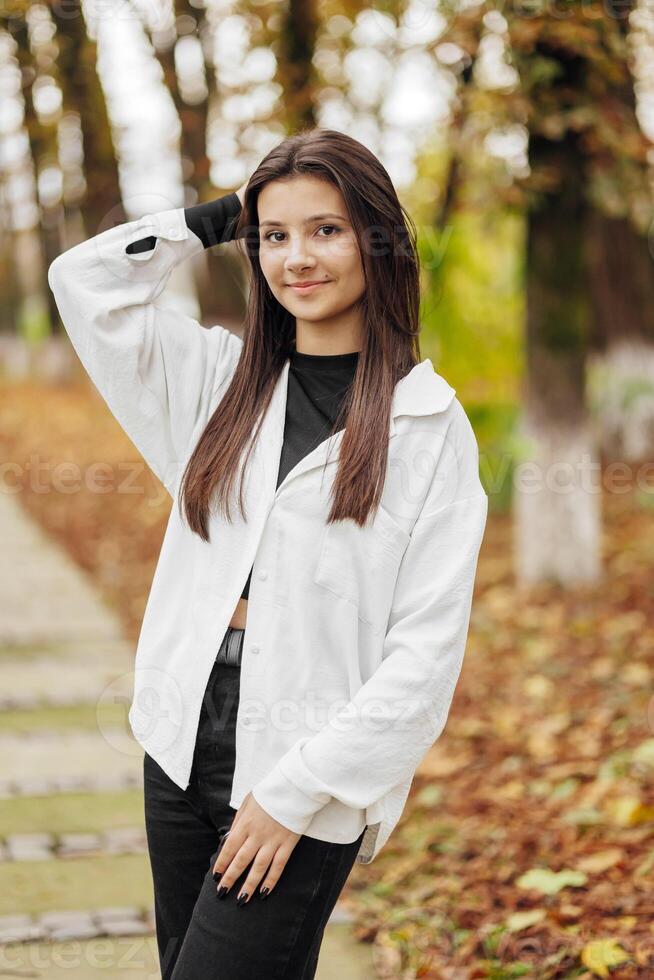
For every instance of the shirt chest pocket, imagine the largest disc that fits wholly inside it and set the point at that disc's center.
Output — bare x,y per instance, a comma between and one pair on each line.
360,565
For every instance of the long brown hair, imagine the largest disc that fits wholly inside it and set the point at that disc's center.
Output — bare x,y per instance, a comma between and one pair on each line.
390,310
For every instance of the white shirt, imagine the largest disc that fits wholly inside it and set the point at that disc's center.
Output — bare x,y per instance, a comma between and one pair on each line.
355,636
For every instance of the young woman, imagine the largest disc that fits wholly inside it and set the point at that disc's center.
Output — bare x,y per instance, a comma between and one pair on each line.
303,639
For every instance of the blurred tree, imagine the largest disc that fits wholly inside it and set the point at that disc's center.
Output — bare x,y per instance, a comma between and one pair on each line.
569,71
558,517
449,200
8,277
33,301
297,40
81,93
621,269
184,53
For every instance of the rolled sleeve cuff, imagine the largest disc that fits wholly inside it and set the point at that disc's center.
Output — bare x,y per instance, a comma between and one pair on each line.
284,800
157,230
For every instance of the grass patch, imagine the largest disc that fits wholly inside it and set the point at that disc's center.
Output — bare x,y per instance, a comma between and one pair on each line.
33,651
125,958
71,812
62,719
32,887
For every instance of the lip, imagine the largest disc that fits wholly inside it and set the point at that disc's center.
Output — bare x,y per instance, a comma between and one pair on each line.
309,288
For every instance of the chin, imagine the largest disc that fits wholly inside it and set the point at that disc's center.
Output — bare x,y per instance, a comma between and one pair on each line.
317,316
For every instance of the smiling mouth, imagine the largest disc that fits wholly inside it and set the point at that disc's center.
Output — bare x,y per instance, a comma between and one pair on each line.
299,288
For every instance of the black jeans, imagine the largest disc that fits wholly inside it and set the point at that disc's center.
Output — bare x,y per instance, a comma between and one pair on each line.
199,936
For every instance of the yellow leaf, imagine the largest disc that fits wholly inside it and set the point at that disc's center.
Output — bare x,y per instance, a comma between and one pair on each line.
600,861
644,753
551,882
513,790
601,954
505,722
637,675
522,920
542,746
628,811
569,911
539,687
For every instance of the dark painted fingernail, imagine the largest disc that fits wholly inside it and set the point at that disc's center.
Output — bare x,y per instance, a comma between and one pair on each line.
217,875
264,892
222,891
242,898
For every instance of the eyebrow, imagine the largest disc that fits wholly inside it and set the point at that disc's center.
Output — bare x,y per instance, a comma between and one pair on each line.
314,217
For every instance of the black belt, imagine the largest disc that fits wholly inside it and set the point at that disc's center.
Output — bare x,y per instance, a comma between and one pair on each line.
231,648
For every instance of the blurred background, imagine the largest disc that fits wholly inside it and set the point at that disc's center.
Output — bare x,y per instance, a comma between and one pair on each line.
519,138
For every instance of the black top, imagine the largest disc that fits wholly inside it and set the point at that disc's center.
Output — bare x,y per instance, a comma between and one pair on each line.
317,383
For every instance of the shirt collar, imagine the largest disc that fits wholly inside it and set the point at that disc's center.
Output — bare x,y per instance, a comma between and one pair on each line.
421,392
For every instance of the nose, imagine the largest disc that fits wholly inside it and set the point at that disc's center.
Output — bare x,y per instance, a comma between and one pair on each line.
298,257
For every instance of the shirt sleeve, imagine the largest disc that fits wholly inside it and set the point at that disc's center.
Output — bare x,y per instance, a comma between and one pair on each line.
155,367
214,222
379,738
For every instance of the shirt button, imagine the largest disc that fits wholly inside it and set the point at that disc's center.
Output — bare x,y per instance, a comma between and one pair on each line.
263,574
254,647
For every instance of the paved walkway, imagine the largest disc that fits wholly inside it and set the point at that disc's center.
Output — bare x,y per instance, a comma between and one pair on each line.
62,650
45,598
134,957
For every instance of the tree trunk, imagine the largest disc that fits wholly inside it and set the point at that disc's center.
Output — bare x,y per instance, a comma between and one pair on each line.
32,309
82,93
81,211
297,43
557,503
193,117
621,365
621,268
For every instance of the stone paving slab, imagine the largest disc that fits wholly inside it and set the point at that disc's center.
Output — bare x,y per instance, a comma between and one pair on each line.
97,758
85,953
45,846
135,958
30,683
83,783
44,595
77,924
113,650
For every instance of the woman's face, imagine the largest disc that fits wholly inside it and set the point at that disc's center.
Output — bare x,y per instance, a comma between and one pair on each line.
305,236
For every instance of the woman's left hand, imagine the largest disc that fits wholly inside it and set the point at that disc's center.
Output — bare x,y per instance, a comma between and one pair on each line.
254,836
